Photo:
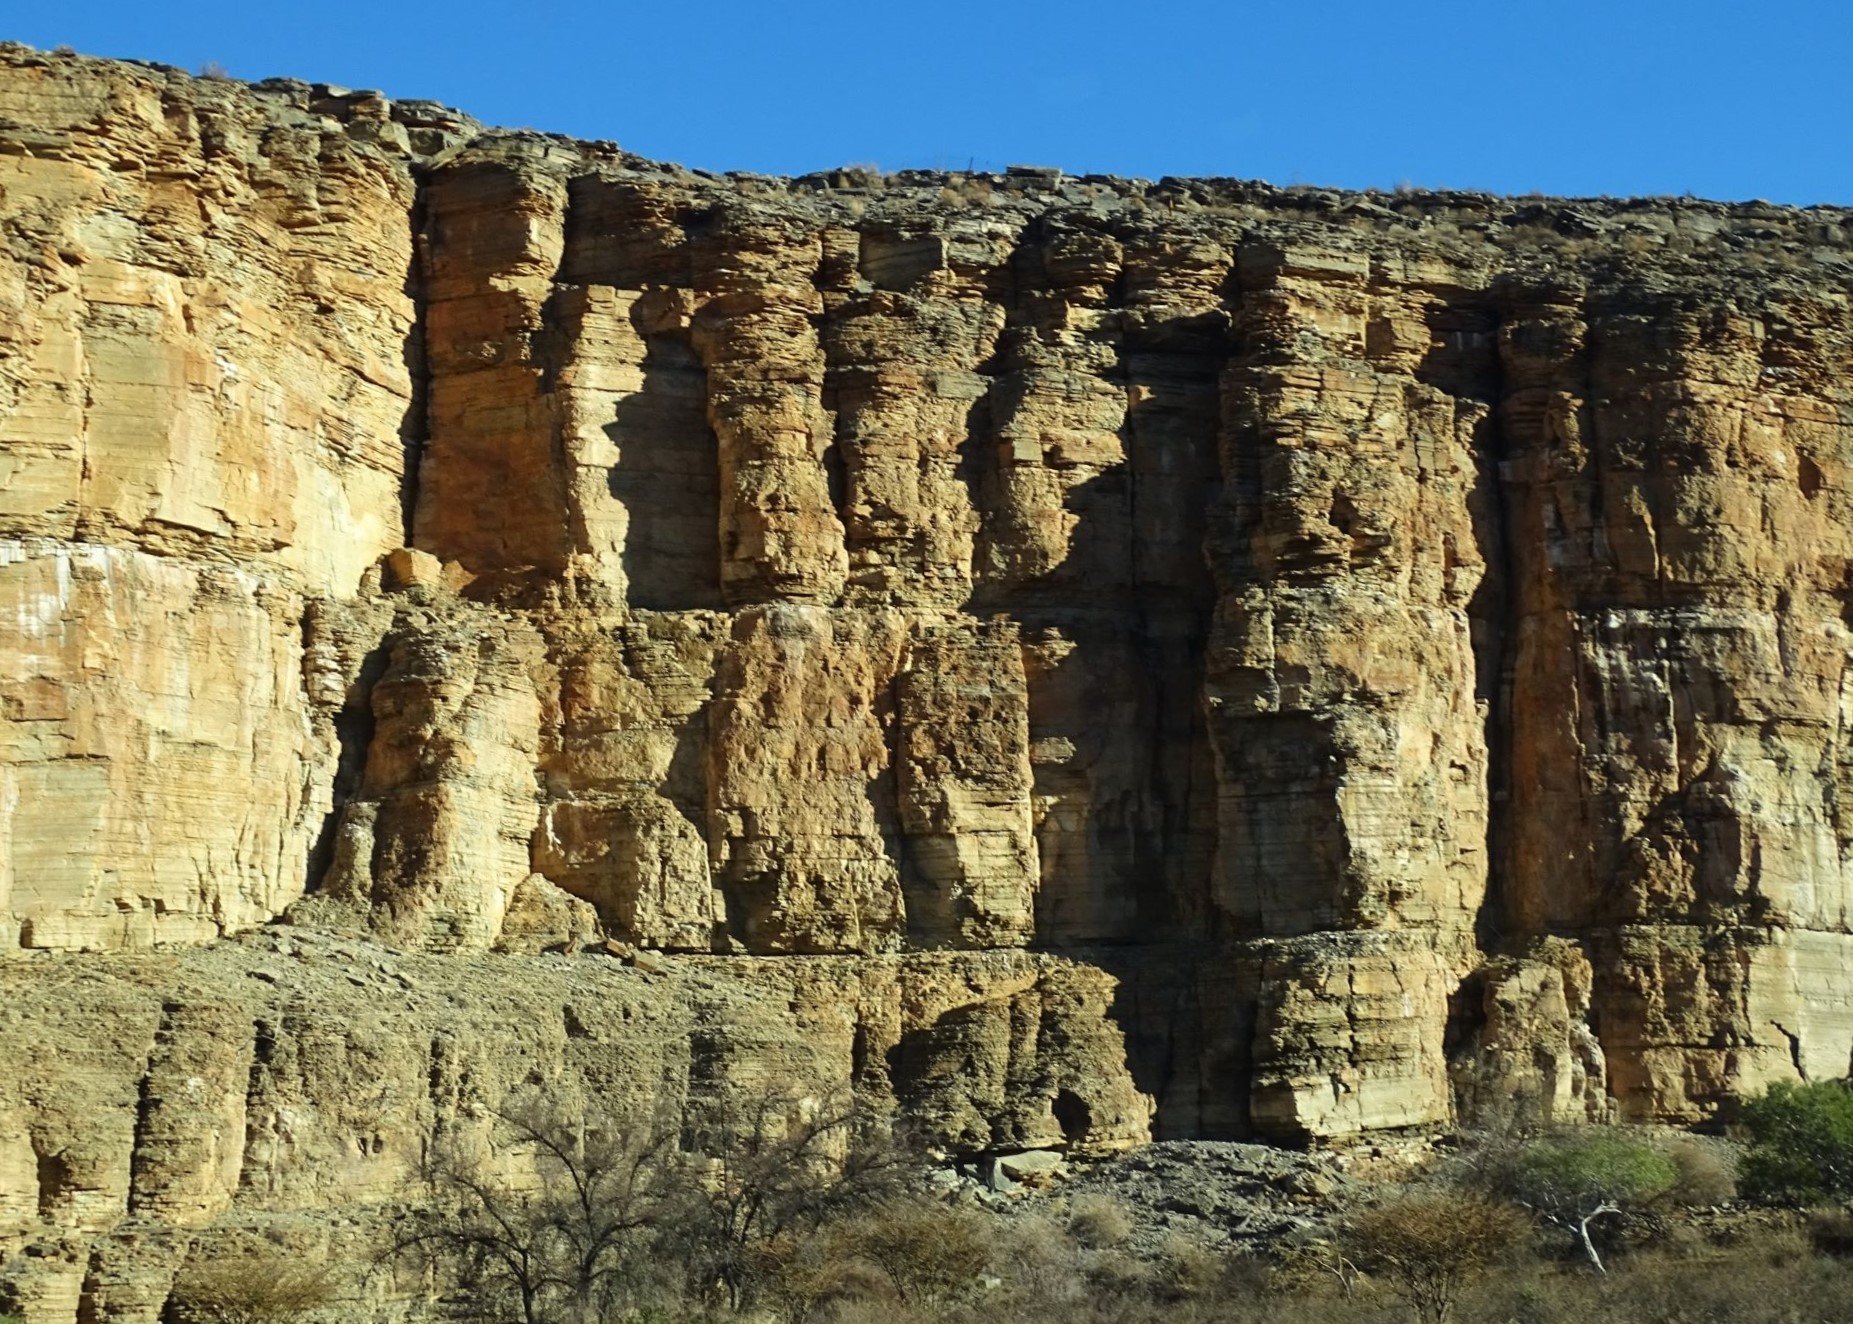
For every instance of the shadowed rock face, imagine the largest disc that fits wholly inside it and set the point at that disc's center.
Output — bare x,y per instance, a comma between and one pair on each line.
1365,633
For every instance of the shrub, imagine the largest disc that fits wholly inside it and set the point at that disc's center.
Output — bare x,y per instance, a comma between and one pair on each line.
1427,1247
1707,1174
1830,1232
1801,1143
799,1275
1116,1276
1187,1268
252,1288
926,1251
1768,1279
1304,1265
1041,1273
1098,1221
1574,1179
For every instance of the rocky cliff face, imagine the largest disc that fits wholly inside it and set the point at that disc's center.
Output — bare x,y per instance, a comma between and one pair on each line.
1385,643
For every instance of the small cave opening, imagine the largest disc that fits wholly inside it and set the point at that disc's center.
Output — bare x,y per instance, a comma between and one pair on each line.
836,479
1343,515
54,1178
1811,479
1073,1115
859,1055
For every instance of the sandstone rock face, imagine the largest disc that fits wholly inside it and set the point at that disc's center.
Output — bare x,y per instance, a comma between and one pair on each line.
156,743
1394,646
204,392
292,1083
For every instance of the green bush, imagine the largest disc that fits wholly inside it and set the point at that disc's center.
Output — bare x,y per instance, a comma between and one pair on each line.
1801,1144
1577,1178
1601,1167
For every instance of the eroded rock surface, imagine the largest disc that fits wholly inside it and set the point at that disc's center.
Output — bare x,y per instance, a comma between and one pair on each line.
298,1080
1396,646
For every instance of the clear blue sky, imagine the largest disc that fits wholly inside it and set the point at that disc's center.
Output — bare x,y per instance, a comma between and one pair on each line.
1726,100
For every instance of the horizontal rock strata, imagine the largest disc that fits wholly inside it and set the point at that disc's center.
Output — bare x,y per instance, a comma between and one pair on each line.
1395,645
294,1083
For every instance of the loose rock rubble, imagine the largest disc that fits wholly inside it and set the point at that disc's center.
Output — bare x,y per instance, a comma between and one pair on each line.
1217,1193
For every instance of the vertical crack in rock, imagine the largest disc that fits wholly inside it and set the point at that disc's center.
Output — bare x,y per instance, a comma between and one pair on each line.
1142,910
146,1103
416,430
188,1150
1351,752
1493,613
343,657
1795,1049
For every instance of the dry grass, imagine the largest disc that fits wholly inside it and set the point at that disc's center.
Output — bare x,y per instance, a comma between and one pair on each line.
1098,1222
1830,1233
252,1288
965,191
1758,1274
1428,1246
1707,1175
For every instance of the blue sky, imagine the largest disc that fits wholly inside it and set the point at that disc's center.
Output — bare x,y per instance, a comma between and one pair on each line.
1731,101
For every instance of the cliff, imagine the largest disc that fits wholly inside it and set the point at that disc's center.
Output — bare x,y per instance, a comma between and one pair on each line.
1256,661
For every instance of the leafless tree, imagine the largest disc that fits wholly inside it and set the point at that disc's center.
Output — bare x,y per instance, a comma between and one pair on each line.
769,1164
568,1246
574,1216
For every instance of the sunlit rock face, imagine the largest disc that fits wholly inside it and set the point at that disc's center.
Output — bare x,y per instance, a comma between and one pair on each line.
1226,660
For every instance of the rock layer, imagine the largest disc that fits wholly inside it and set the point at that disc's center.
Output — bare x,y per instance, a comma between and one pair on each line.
1336,620
290,1085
